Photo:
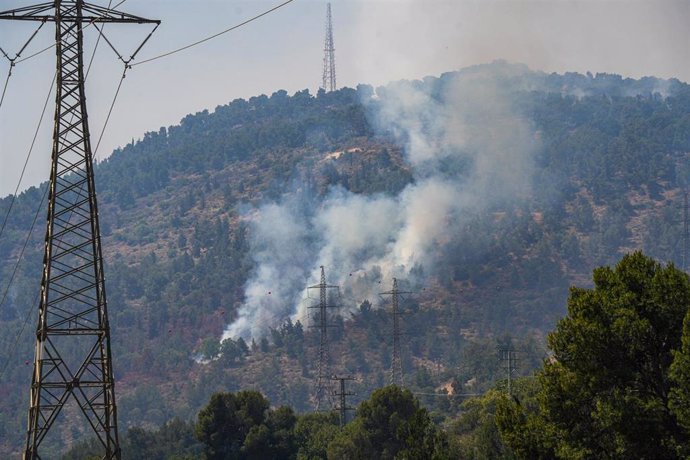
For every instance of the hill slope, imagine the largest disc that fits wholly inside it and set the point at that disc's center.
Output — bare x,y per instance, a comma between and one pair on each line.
486,191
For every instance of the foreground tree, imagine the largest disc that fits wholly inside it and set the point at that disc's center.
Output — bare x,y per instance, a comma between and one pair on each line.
680,373
390,425
607,390
475,433
242,426
314,432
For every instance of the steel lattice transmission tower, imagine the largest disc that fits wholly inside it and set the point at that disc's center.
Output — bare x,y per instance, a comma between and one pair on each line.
72,361
342,395
323,325
509,357
329,54
396,363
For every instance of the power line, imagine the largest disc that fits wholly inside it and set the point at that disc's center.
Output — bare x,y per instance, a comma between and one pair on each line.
110,111
9,284
7,82
13,347
13,62
211,37
26,162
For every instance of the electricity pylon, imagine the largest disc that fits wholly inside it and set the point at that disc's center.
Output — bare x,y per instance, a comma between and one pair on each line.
72,359
396,363
509,358
329,54
324,355
342,395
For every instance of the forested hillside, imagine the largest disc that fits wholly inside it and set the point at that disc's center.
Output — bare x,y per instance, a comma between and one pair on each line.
487,192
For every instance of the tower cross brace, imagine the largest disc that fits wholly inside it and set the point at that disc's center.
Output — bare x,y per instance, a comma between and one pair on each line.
72,361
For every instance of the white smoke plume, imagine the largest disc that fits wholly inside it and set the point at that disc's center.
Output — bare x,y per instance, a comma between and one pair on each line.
468,150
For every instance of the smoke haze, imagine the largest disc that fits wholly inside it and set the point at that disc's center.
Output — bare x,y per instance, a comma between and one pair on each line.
467,150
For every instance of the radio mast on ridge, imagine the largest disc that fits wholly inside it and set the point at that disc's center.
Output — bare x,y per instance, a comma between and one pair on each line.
329,55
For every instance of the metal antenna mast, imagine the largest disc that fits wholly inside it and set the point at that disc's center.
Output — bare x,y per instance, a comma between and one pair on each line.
72,359
329,54
396,364
322,325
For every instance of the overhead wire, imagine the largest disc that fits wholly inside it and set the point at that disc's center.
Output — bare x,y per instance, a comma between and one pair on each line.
13,63
7,82
26,162
211,37
29,314
110,111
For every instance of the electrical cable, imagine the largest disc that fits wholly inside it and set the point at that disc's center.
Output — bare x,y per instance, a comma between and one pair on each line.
26,162
9,284
28,238
211,37
7,82
110,111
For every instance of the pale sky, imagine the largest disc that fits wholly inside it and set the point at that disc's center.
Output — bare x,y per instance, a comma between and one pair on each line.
376,41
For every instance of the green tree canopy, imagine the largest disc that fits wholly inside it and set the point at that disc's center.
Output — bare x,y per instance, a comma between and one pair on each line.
225,422
314,432
680,374
390,425
606,391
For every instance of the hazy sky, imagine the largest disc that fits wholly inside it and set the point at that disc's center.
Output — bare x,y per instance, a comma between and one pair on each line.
376,41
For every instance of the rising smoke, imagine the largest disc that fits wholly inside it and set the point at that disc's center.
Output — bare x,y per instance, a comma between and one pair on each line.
468,150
